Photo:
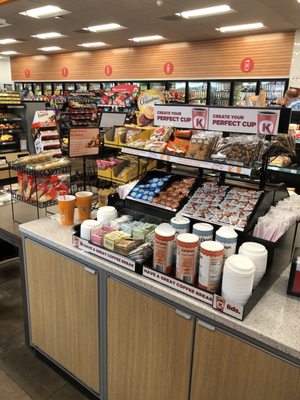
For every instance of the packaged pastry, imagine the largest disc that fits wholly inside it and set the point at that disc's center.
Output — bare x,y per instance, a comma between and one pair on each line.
51,164
30,186
35,158
161,134
241,149
202,144
158,147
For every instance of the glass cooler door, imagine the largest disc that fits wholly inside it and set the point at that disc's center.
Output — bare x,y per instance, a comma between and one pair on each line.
176,92
197,92
274,90
220,93
243,89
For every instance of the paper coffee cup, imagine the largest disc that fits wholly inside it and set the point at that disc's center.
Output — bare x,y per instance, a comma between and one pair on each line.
66,205
84,204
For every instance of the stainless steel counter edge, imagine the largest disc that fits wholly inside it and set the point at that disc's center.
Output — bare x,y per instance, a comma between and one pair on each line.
273,321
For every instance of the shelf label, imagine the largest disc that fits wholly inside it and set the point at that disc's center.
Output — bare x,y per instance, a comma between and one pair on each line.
233,309
103,253
181,286
259,121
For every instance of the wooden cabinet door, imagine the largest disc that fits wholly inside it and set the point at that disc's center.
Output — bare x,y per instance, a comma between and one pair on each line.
63,312
149,347
225,368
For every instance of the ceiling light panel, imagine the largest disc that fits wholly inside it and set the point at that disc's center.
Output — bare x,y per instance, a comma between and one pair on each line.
147,38
49,35
50,48
104,28
92,44
238,28
203,12
8,53
8,41
48,11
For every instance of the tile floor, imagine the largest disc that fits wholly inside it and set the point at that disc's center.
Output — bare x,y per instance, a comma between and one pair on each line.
23,376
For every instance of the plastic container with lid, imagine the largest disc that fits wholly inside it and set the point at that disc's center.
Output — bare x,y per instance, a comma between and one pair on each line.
228,237
187,245
163,248
211,266
180,224
204,231
86,228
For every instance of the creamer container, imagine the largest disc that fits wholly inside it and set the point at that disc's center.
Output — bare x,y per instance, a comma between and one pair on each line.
211,266
180,224
203,231
228,237
186,257
163,248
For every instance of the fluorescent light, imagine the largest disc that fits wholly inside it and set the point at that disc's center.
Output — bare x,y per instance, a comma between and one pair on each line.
244,27
8,52
8,41
104,28
45,12
92,44
147,38
50,48
49,35
202,12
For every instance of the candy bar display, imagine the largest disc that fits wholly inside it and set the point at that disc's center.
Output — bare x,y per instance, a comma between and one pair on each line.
222,204
164,191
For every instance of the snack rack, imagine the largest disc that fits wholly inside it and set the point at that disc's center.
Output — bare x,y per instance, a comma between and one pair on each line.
35,176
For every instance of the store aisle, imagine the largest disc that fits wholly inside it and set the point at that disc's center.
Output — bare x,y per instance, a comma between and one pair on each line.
22,375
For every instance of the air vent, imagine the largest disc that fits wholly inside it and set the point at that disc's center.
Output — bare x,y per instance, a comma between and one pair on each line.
170,18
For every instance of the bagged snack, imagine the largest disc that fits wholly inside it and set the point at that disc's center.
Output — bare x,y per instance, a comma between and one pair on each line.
21,183
177,147
30,186
156,146
35,158
202,144
182,134
51,164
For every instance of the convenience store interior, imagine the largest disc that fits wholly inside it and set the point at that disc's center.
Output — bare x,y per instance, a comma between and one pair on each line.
80,58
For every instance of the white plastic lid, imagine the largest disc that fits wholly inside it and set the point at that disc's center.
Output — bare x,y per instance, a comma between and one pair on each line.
107,210
254,247
202,226
180,220
211,245
165,230
91,223
226,232
240,264
188,238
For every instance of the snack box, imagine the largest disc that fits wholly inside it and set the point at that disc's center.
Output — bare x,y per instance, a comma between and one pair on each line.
153,188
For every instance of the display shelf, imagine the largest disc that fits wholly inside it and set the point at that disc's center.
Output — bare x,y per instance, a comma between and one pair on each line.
189,162
35,203
39,174
12,119
295,171
11,130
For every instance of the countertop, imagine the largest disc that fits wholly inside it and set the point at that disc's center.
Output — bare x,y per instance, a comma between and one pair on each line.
273,322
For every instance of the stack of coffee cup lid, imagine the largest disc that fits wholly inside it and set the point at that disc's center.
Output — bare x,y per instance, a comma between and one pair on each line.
259,255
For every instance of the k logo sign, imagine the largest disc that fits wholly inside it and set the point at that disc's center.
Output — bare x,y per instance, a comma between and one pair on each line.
199,116
266,122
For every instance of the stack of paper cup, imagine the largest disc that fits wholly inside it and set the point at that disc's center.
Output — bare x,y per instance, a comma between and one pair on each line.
259,255
238,276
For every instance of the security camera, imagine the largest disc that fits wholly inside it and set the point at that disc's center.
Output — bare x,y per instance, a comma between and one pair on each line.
159,3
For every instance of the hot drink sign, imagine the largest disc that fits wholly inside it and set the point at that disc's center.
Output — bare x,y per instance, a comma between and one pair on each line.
259,121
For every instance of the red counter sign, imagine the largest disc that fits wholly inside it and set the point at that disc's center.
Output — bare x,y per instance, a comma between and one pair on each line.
168,68
64,72
108,70
247,64
27,73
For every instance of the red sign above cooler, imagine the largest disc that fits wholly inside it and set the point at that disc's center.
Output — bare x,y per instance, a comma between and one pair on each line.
247,64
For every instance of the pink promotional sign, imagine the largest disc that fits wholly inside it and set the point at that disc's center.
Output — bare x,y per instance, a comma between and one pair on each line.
258,121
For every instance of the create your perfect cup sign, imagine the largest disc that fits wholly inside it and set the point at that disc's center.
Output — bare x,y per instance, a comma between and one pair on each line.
255,121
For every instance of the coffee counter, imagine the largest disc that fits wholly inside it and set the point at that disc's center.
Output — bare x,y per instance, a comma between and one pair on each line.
270,322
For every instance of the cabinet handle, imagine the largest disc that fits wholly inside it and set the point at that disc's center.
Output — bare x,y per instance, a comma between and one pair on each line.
183,314
90,270
206,325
